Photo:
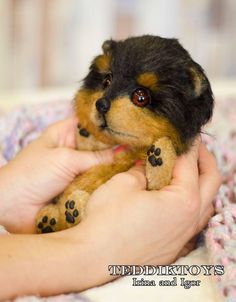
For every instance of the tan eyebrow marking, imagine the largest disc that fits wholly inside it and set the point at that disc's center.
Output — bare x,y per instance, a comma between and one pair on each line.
148,80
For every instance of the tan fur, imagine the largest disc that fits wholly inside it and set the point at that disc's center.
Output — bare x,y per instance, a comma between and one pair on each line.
88,116
57,211
81,188
138,134
160,176
96,176
128,125
89,143
148,80
127,122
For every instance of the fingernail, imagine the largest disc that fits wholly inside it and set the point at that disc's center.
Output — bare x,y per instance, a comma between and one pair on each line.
120,149
139,162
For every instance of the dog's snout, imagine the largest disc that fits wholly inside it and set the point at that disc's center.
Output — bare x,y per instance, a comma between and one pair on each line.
103,105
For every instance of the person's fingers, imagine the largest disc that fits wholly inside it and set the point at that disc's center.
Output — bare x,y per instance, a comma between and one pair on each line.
185,172
81,161
61,134
210,178
205,217
209,182
67,132
133,179
67,123
189,246
138,172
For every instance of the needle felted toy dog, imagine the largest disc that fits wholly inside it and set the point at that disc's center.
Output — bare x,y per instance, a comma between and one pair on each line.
144,92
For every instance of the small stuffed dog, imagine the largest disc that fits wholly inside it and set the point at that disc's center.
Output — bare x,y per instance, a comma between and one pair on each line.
146,93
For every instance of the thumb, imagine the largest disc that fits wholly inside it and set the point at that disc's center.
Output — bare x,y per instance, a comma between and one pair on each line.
186,167
138,173
133,179
81,161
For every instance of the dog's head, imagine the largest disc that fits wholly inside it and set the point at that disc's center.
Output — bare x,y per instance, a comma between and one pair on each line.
141,89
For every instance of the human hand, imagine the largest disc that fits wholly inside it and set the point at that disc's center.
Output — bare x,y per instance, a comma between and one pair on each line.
130,225
40,172
124,225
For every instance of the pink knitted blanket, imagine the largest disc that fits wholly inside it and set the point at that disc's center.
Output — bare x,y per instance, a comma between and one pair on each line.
20,127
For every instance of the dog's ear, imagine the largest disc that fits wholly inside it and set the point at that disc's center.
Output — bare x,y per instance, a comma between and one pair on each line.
202,94
108,46
199,80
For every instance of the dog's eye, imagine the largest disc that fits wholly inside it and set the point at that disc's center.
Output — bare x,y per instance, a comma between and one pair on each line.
107,81
141,97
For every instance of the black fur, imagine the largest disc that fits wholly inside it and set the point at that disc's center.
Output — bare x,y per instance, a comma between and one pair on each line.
176,97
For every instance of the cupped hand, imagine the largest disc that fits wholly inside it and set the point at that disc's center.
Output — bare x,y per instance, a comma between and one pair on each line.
40,172
135,226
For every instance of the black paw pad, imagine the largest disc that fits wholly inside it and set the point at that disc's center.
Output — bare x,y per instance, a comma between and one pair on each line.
84,132
45,219
53,221
47,229
153,158
69,217
44,227
71,213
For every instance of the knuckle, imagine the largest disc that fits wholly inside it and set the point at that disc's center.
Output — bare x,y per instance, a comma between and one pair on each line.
102,156
98,157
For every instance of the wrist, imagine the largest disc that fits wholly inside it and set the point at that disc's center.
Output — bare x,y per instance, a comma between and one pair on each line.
94,253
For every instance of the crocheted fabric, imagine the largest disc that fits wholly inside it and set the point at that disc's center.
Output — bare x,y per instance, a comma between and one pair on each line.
20,127
220,237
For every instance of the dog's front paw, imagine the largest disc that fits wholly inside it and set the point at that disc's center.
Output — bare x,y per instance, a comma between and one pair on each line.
161,158
154,156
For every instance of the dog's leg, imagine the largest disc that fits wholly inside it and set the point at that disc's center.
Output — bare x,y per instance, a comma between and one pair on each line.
160,161
69,208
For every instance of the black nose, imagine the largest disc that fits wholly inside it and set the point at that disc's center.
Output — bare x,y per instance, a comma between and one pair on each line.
103,105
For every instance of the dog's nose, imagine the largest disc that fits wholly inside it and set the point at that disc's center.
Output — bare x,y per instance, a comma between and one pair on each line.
103,105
